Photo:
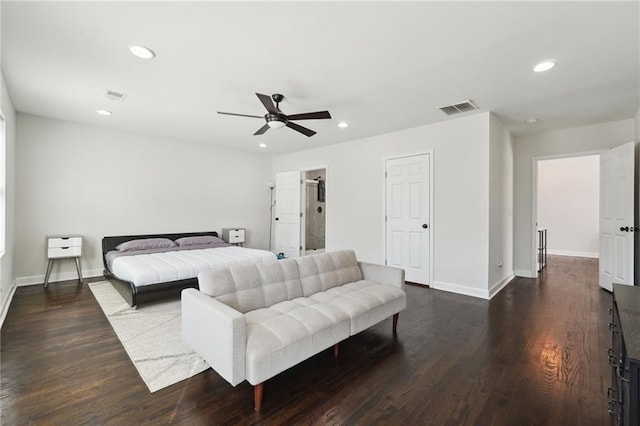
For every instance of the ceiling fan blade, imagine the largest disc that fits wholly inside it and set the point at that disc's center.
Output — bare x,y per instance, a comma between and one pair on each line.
299,128
267,102
240,115
261,130
319,115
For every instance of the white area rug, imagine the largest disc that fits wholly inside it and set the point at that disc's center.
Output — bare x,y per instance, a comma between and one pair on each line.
152,337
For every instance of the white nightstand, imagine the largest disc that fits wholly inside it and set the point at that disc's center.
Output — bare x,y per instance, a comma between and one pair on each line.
63,247
233,235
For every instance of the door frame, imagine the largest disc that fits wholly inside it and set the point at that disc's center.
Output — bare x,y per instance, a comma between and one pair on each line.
303,199
534,200
431,198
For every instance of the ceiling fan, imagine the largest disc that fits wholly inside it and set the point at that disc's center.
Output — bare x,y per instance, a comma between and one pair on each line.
276,119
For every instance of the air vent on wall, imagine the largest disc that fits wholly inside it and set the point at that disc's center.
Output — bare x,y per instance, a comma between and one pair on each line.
114,96
464,106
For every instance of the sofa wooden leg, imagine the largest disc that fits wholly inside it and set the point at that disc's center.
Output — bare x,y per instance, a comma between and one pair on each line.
395,322
257,396
336,351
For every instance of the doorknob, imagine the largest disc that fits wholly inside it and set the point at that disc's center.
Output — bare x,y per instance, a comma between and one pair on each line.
624,228
277,218
425,226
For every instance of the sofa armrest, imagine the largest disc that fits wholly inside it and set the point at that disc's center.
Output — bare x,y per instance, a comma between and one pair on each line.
383,274
215,331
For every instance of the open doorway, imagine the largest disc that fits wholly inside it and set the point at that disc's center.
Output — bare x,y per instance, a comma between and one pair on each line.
567,207
314,216
300,212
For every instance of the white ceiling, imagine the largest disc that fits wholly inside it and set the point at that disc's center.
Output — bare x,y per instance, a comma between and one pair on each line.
379,66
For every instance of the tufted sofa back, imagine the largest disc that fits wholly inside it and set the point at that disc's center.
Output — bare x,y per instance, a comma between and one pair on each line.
249,287
321,272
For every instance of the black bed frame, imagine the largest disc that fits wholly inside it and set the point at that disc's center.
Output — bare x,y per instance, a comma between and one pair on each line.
138,295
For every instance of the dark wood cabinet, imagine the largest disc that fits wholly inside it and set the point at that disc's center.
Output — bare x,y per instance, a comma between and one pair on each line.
624,356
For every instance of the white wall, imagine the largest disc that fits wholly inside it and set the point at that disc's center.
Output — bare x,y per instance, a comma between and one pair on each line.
7,275
637,125
568,205
74,178
355,195
500,207
575,140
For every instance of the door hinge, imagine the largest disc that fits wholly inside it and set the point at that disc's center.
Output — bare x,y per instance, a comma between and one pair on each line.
300,248
300,214
385,174
301,181
385,217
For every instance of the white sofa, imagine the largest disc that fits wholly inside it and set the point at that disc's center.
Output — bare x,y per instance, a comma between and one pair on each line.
252,322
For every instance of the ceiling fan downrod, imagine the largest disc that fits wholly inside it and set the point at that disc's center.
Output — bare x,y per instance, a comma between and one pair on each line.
277,98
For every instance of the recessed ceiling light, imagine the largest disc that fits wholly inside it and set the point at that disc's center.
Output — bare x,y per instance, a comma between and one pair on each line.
531,121
544,66
142,52
263,145
343,124
103,112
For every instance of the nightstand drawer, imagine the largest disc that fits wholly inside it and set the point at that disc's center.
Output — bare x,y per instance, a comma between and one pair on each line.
233,235
236,236
64,242
55,252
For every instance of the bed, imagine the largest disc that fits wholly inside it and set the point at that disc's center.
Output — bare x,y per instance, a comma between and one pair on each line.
146,268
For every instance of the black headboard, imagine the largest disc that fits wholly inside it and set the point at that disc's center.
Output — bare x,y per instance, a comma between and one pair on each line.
110,243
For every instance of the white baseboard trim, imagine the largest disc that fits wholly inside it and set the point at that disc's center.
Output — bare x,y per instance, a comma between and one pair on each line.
573,253
460,289
525,273
60,276
500,285
7,302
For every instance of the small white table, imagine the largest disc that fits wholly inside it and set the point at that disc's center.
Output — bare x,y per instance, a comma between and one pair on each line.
63,247
233,235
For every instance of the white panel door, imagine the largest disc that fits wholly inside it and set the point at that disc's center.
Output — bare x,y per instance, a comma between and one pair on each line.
407,216
617,225
288,213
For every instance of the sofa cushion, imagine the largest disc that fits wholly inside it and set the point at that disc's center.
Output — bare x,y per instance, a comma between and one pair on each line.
324,271
289,332
366,302
249,287
280,281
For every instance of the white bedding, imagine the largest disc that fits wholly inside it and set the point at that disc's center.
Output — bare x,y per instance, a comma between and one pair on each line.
153,268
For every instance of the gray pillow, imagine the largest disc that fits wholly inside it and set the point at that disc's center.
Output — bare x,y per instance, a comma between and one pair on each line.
145,244
203,240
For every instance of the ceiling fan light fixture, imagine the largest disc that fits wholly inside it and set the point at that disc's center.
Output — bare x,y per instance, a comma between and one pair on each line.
275,121
343,124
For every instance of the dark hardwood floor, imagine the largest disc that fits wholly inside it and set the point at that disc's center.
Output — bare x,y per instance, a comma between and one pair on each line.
534,355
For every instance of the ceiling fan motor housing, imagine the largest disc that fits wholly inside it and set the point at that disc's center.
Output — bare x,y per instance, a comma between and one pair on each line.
276,120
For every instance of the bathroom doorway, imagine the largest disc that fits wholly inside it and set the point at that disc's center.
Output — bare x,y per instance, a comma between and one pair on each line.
314,228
